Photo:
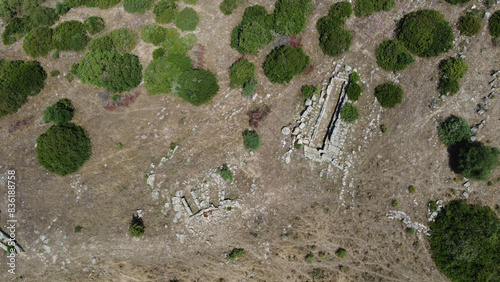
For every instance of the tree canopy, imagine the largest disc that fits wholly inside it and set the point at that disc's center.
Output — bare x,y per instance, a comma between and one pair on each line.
196,86
285,62
453,131
60,112
389,95
476,161
392,55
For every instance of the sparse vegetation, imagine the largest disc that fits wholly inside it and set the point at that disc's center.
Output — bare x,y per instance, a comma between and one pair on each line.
308,91
136,228
394,203
469,24
392,55
453,131
78,229
251,139
383,128
425,33
63,148
236,253
389,95
225,173
18,80
59,113
309,258
341,253
464,241
250,88
412,189
349,113
285,62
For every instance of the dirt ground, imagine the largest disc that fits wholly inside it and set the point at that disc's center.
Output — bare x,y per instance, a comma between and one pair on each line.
286,210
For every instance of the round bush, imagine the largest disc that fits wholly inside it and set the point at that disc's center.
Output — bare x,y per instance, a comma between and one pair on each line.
250,35
38,42
63,149
137,6
454,68
448,86
425,33
124,40
349,113
465,241
392,55
157,53
289,16
354,77
228,6
251,139
285,62
165,11
241,72
187,19
308,91
249,88
110,70
342,10
364,8
494,24
197,86
389,95
153,34
60,112
469,24
354,91
14,30
94,25
70,36
336,41
164,72
476,161
453,130
18,80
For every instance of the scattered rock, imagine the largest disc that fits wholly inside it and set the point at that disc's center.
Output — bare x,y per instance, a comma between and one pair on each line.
285,130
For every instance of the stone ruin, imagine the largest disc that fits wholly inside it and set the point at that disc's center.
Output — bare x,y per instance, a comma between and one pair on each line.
319,128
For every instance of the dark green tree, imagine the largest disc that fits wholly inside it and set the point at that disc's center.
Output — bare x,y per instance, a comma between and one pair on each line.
196,86
38,42
448,86
289,16
285,62
137,6
253,32
469,24
494,24
165,11
453,131
392,55
349,113
59,113
353,91
476,161
454,68
389,95
70,36
94,25
251,139
241,72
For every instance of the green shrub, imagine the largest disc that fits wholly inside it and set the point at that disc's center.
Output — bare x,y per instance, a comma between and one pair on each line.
236,253
94,25
63,148
285,62
54,73
389,95
354,91
433,206
228,6
70,36
163,72
494,24
14,30
333,42
309,258
191,2
19,26
251,139
250,88
469,24
454,68
187,19
308,91
225,173
104,43
392,55
136,228
289,16
42,16
38,42
425,33
412,189
448,86
394,203
354,77
78,229
253,32
175,44
341,253
364,8
241,72
453,131
18,80
153,34
60,112
11,8
137,6
465,241
61,8
110,70
476,161
383,128
349,113
124,40
196,86
160,52
457,1
342,10
165,11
